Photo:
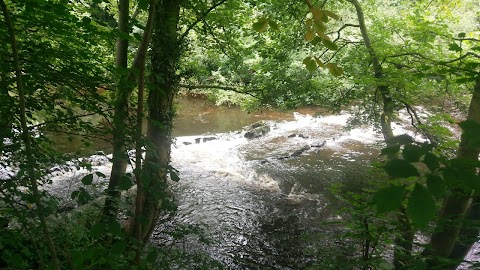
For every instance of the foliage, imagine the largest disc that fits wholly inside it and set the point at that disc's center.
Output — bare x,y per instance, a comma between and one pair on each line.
257,54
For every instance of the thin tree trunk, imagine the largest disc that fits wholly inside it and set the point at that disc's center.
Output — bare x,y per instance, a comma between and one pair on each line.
405,240
26,139
120,157
455,205
121,112
388,108
164,83
6,109
140,198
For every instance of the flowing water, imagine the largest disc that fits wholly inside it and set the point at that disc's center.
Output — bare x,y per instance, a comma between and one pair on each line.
266,203
263,203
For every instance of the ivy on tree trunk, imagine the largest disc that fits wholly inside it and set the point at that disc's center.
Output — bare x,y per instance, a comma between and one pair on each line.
164,81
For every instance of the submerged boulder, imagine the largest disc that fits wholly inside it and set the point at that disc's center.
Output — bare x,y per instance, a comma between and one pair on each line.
293,135
257,130
207,139
204,139
318,145
300,151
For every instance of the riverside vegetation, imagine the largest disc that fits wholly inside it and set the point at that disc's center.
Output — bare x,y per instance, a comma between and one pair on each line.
127,60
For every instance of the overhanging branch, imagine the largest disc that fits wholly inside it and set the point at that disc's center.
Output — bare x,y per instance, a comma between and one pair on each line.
219,87
200,18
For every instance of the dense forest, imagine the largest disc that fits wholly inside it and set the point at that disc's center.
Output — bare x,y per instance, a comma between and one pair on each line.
108,77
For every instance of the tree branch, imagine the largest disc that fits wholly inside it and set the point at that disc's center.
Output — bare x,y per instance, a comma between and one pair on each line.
414,117
139,60
220,87
460,58
220,45
469,39
200,18
67,118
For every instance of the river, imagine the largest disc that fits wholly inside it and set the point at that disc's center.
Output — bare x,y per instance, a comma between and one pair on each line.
263,203
260,203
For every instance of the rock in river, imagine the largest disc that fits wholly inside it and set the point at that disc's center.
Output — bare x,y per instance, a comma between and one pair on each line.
257,130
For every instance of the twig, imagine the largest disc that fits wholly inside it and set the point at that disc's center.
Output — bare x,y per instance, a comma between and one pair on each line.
66,119
413,115
200,18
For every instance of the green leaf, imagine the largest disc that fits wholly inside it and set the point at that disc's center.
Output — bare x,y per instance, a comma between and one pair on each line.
472,182
309,35
450,176
331,14
74,194
152,256
86,20
99,174
401,139
118,247
412,153
87,179
273,24
316,41
142,4
97,229
83,196
310,64
329,44
114,227
436,185
400,168
323,36
465,80
174,176
431,161
317,14
125,183
320,27
389,198
421,206
462,35
137,36
309,22
390,151
335,70
454,47
319,62
261,25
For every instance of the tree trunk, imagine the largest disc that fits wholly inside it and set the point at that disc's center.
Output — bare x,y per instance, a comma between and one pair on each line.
30,159
140,197
455,205
126,84
405,240
163,86
120,156
388,108
469,233
6,108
